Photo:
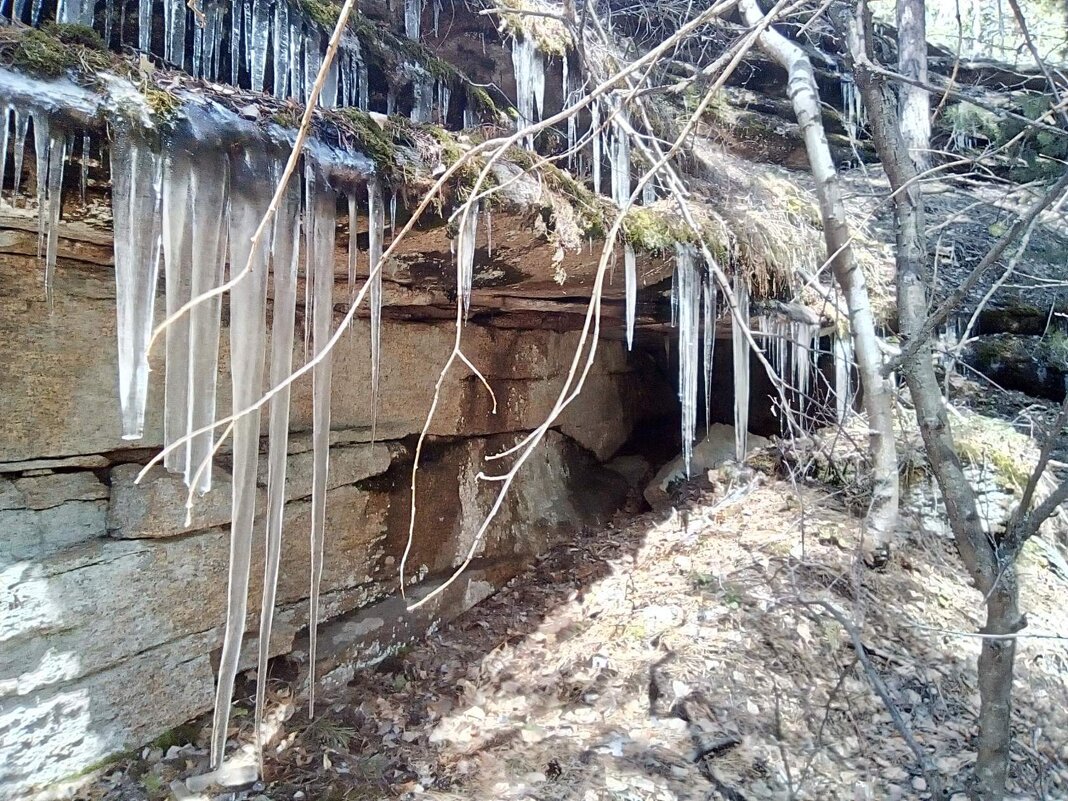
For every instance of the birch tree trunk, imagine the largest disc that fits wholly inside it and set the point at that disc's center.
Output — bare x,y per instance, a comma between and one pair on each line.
804,94
992,570
915,105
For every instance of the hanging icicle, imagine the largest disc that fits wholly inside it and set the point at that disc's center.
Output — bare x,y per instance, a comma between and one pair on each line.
320,216
376,235
630,277
740,347
529,69
248,347
843,375
688,280
465,257
194,213
413,15
284,257
135,202
708,328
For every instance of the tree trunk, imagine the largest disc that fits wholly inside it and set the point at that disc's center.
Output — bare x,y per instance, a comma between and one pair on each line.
804,94
915,106
991,571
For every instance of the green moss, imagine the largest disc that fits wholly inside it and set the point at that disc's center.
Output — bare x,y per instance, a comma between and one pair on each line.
179,735
654,231
321,12
373,140
74,34
54,50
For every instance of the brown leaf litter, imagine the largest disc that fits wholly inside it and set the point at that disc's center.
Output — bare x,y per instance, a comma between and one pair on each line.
676,657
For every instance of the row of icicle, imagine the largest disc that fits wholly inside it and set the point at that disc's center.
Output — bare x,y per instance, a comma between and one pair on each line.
208,207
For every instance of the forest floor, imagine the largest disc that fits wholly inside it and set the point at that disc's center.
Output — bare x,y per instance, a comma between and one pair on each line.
715,650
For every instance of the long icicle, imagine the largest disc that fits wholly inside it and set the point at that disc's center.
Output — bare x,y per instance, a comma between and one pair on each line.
321,213
630,272
465,257
135,192
177,257
375,235
689,284
741,367
208,208
248,345
57,149
284,258
709,343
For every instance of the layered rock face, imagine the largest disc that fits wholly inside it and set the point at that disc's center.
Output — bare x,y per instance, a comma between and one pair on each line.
113,605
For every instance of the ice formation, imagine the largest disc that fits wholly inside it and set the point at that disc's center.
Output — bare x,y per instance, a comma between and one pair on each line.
688,281
740,351
413,13
284,256
465,256
135,182
320,213
843,376
708,330
248,348
375,237
529,69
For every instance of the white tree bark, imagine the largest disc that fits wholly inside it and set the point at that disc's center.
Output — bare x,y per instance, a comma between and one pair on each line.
915,105
803,92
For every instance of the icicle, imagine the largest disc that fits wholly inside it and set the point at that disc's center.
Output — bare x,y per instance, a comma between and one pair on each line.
284,257
207,210
281,44
413,12
35,14
57,148
109,17
235,41
741,367
437,16
174,12
393,214
144,25
246,27
422,96
83,181
40,146
328,95
465,257
689,284
489,232
135,193
843,363
365,103
261,28
619,155
375,237
353,252
248,347
649,193
218,16
709,342
630,271
177,255
22,132
529,70
313,59
674,299
296,43
321,211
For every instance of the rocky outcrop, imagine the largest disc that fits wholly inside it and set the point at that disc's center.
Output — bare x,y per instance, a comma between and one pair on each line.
1036,365
111,604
